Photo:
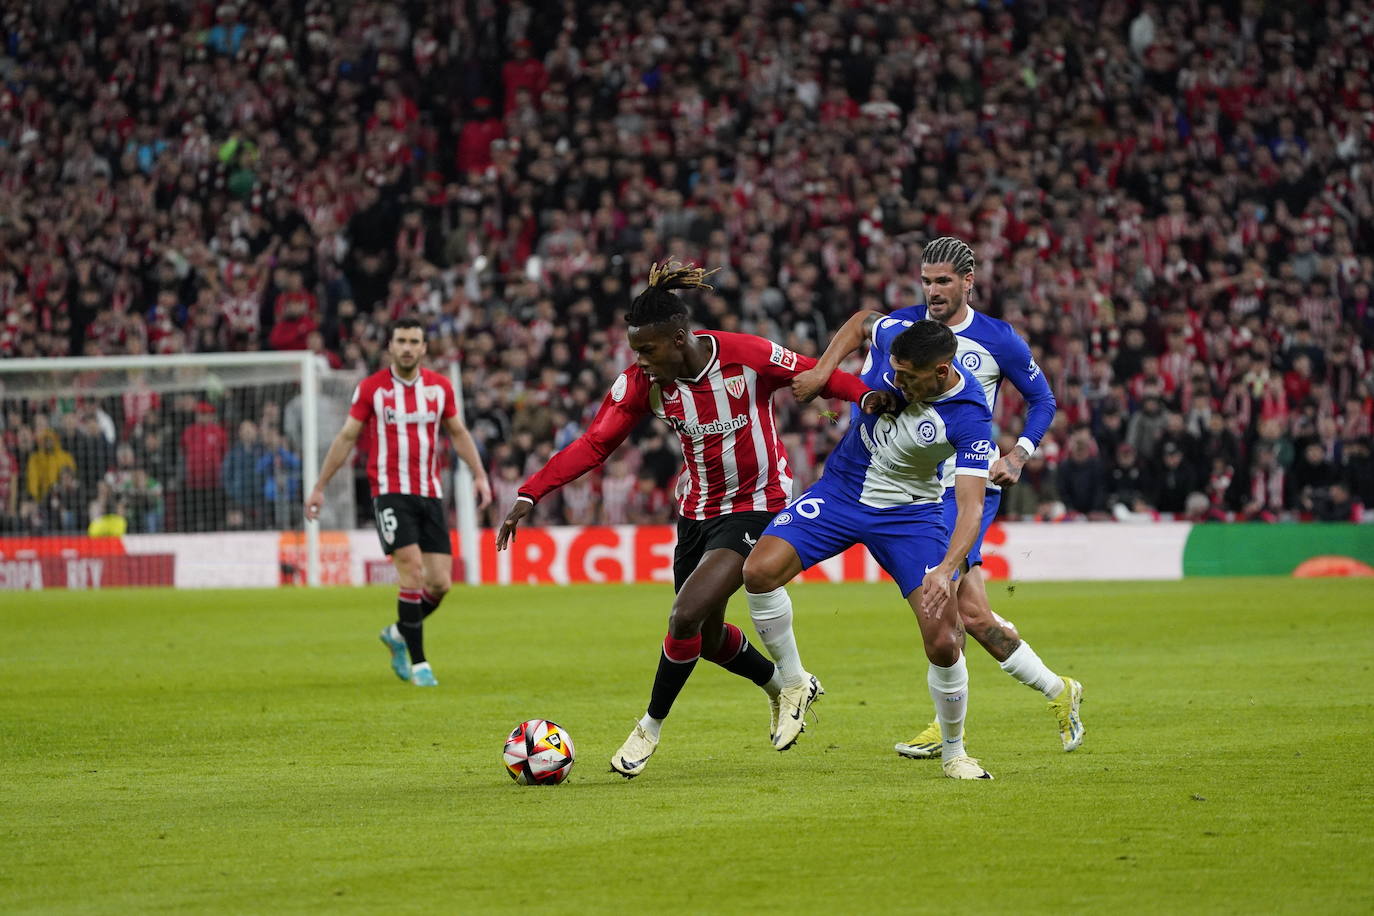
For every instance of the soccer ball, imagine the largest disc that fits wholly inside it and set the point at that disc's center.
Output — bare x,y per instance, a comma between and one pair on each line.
538,753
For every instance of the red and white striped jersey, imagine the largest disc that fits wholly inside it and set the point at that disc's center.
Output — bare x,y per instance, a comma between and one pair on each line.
735,461
403,424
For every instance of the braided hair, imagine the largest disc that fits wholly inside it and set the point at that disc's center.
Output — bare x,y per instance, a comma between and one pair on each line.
657,304
950,250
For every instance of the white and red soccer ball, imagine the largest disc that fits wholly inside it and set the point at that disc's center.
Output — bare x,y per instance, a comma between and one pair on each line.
538,753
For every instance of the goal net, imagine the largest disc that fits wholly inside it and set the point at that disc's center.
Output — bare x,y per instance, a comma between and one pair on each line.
132,471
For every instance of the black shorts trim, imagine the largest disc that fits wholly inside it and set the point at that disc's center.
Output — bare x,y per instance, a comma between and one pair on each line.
738,531
403,520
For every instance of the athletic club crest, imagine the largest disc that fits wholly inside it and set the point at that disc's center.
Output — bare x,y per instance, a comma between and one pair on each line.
735,385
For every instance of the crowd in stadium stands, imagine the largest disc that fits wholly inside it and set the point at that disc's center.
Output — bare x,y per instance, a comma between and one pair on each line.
1174,202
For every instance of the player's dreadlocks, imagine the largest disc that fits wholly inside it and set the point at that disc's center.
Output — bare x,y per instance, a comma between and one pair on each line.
949,250
657,303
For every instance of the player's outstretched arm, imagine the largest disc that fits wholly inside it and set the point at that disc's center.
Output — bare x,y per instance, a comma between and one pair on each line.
467,450
338,453
807,385
938,584
620,412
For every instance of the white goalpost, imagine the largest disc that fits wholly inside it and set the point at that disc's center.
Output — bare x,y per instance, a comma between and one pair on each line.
194,455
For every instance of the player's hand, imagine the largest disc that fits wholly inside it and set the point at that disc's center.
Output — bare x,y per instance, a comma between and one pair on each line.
1007,469
483,487
314,504
808,383
880,402
936,588
522,508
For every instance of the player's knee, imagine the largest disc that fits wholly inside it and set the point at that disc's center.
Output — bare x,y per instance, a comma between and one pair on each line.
690,612
683,623
942,647
438,586
410,573
760,574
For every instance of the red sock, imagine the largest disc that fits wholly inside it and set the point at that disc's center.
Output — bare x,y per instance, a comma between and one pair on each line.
730,644
682,650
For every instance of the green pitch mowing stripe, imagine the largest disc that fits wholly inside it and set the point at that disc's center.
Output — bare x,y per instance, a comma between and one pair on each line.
252,752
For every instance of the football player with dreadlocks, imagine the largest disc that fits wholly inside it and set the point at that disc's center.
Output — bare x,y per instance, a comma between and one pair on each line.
715,390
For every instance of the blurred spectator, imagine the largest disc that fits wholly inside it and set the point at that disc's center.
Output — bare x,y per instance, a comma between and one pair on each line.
102,502
110,524
1312,475
142,496
9,482
1081,480
1336,504
156,454
93,454
1177,434
1111,431
1176,481
280,469
1145,431
203,447
618,485
1129,482
244,481
296,319
1359,470
45,466
1268,482
649,503
63,505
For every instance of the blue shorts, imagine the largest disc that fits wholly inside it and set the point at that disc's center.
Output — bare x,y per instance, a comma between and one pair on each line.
825,521
991,500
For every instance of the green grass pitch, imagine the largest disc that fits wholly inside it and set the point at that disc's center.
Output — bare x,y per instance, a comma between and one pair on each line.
250,752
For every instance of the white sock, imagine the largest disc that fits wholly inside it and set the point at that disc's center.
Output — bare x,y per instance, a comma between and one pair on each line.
651,725
774,686
394,633
772,615
1026,667
423,666
949,690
